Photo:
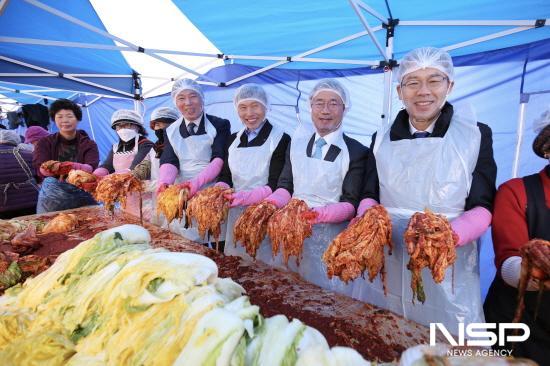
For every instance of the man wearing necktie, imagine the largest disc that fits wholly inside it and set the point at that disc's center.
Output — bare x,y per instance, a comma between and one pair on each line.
194,146
325,169
254,157
435,157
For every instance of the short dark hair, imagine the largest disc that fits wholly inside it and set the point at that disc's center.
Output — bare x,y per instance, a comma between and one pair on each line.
65,104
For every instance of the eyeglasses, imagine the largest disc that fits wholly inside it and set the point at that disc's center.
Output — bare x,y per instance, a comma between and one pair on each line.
433,83
332,105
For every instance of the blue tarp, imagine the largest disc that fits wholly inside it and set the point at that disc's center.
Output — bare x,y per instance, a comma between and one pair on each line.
23,20
288,27
264,28
30,99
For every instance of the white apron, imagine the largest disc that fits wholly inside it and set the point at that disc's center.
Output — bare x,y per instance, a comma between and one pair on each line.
249,169
434,173
122,162
149,204
194,154
318,183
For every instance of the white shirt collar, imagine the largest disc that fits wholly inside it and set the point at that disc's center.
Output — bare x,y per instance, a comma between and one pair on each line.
329,138
255,131
430,128
196,122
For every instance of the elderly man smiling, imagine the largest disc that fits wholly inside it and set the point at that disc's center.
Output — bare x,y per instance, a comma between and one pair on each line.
437,157
194,146
325,169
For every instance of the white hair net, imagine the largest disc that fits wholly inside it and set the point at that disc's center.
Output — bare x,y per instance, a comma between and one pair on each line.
424,57
544,120
127,115
164,112
250,92
9,137
186,84
334,86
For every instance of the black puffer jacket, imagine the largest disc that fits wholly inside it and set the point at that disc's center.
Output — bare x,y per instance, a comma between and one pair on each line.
18,189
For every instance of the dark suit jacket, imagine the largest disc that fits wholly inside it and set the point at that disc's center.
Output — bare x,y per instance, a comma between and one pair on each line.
482,192
223,129
275,163
353,181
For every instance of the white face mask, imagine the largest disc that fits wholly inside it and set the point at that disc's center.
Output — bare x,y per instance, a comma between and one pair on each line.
126,134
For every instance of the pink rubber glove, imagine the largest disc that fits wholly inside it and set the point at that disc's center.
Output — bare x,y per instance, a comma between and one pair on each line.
279,198
45,173
246,198
191,186
161,187
471,224
101,172
332,213
207,175
167,176
223,185
364,205
85,167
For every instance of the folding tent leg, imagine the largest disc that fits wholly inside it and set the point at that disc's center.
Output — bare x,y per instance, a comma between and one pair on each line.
388,73
90,121
521,127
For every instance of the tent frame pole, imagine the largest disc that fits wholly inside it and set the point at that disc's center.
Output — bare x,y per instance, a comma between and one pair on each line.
27,93
486,38
37,74
54,73
357,5
194,54
374,13
45,89
388,74
303,54
520,130
114,38
489,23
90,121
169,80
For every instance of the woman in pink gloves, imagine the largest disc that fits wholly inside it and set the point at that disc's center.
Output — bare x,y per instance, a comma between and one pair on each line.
194,147
130,150
437,157
72,147
254,157
325,168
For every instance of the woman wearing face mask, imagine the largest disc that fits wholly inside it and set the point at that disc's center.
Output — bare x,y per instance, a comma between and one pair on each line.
522,213
160,119
148,169
132,147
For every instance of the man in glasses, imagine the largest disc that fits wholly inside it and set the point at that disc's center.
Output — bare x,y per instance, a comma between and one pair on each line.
435,157
324,168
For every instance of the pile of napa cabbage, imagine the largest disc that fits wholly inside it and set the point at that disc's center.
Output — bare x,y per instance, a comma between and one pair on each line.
114,300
